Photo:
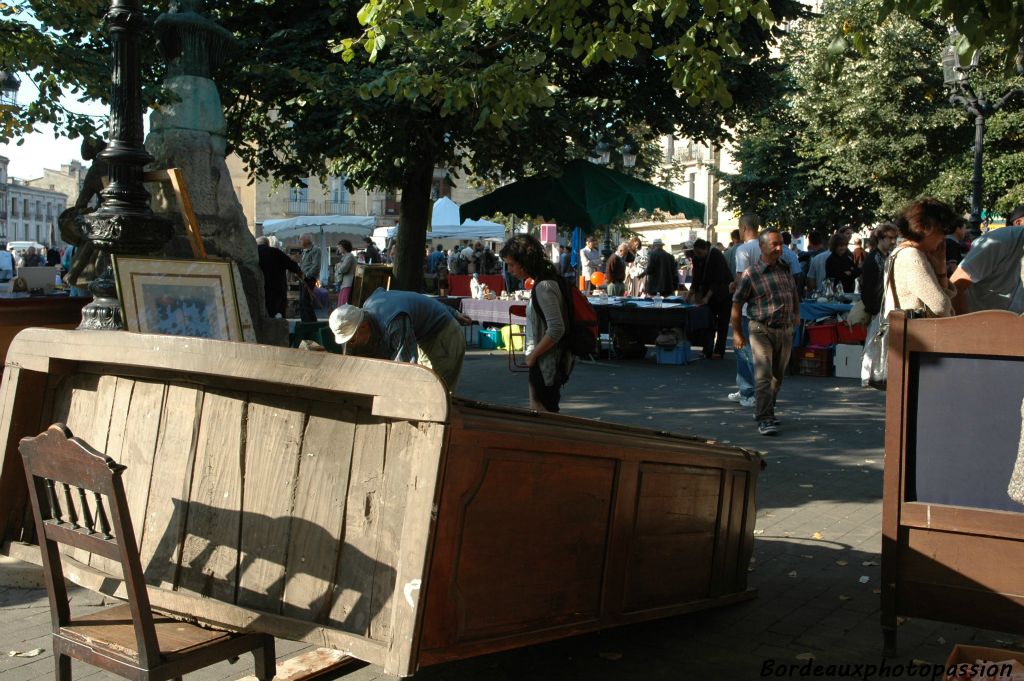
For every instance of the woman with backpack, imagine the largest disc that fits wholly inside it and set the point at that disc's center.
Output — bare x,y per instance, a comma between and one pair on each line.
547,321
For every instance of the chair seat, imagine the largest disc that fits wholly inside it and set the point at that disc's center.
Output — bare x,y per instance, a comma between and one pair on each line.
112,630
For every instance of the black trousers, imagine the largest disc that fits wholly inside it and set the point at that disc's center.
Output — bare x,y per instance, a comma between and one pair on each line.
720,309
306,307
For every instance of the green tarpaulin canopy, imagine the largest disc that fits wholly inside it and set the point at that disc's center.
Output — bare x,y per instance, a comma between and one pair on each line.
584,195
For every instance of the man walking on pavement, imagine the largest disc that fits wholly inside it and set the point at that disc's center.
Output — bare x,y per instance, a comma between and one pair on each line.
310,266
746,255
773,307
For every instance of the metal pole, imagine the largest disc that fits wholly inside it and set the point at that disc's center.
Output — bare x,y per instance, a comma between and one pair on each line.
124,223
978,180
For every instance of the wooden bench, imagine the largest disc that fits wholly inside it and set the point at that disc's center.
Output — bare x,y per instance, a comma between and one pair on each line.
352,504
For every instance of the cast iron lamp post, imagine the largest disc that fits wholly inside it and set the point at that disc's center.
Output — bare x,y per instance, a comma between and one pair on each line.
9,84
958,77
124,222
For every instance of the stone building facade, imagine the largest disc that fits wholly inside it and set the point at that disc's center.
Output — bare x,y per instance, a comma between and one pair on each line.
30,208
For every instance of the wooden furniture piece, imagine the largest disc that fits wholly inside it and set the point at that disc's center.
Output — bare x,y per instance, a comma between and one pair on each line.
516,316
368,279
352,503
57,312
129,640
952,538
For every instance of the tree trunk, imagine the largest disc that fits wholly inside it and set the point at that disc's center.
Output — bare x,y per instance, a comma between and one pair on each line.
413,218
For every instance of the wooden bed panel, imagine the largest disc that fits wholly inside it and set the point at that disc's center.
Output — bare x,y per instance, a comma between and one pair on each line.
673,549
529,520
350,610
272,424
170,485
209,554
319,510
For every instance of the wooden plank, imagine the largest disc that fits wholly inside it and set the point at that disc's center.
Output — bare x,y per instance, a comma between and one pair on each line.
20,404
274,430
142,421
420,489
316,530
397,389
398,485
92,401
350,609
209,554
170,485
308,665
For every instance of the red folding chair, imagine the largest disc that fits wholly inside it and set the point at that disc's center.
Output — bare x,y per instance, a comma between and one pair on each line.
516,316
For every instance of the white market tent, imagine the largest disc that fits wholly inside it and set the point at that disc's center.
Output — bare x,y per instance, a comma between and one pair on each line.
445,224
320,225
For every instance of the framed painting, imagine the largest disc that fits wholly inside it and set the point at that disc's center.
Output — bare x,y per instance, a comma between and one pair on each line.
179,297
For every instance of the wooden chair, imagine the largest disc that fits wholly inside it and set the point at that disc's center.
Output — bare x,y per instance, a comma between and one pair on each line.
516,363
67,482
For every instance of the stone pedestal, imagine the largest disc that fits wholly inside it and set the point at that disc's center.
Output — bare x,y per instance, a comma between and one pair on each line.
189,134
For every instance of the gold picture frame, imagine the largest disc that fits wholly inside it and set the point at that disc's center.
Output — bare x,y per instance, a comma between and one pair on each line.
197,298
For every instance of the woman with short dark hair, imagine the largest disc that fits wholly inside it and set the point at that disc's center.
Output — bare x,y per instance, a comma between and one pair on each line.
547,320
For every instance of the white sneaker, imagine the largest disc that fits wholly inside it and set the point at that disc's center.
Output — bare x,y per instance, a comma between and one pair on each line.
748,401
736,396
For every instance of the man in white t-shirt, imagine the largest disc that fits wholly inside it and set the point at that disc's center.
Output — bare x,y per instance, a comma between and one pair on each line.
990,275
590,260
7,267
748,253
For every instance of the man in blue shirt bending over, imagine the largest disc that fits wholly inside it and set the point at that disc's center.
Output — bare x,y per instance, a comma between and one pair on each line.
404,327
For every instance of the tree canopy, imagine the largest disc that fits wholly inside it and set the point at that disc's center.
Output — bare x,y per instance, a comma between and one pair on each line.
866,134
478,91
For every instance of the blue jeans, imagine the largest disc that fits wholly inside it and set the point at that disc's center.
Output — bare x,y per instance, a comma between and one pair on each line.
745,364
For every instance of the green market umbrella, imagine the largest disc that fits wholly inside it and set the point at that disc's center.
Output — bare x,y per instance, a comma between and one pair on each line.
584,195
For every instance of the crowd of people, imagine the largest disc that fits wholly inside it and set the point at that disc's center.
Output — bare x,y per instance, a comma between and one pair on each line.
922,262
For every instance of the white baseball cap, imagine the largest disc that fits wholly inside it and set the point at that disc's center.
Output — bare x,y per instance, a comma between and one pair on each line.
344,322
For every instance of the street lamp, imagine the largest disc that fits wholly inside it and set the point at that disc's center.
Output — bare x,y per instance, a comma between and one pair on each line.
9,84
628,152
957,77
124,222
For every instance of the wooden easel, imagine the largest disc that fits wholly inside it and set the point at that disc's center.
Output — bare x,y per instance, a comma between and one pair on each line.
176,178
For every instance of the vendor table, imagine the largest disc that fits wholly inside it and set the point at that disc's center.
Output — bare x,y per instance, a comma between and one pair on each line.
649,320
458,284
810,311
490,311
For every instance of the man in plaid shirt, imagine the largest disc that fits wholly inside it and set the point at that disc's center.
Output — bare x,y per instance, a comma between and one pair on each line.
769,292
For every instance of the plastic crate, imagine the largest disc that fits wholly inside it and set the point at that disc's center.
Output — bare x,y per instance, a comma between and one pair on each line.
814,361
490,339
855,334
822,335
680,354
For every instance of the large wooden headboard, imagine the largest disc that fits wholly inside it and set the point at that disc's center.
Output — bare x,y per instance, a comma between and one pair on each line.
273,489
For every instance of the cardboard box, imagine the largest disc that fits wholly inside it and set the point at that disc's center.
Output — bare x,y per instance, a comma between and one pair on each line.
969,655
848,360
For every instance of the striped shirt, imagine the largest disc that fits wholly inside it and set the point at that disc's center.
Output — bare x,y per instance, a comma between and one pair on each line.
770,294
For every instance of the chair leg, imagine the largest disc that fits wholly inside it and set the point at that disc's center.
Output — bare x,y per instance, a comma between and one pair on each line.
266,660
62,664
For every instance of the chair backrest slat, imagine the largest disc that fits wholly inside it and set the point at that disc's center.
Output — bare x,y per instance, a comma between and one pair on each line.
55,456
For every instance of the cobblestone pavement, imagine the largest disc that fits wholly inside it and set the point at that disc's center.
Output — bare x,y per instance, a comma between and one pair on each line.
816,555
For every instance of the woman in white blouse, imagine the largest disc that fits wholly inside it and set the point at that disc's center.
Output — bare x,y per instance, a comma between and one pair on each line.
919,263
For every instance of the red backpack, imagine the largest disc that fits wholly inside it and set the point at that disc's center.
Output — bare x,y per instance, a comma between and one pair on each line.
581,336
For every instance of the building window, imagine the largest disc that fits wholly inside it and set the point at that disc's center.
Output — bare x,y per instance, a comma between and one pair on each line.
298,200
339,196
392,205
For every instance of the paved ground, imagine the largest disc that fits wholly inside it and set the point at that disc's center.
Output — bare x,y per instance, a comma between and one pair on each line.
815,560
